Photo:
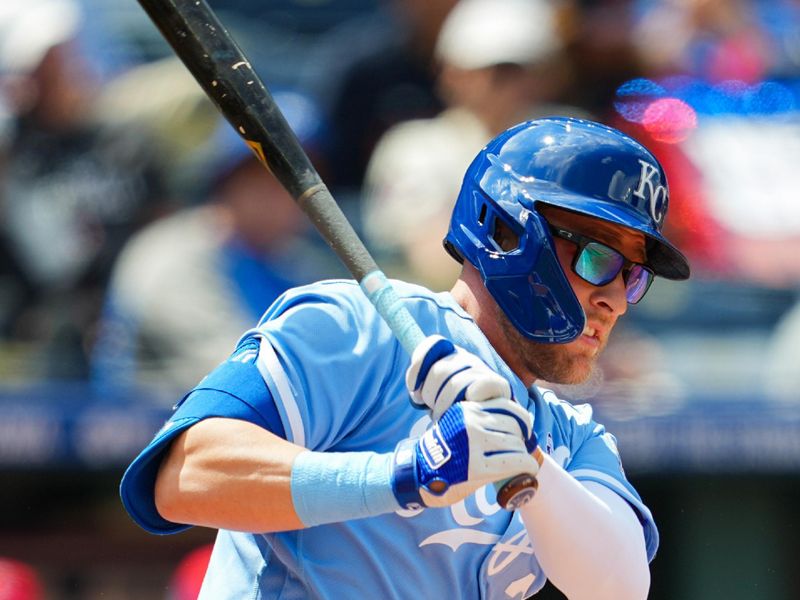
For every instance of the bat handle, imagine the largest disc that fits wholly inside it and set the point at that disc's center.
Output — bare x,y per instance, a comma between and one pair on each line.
511,493
516,491
383,296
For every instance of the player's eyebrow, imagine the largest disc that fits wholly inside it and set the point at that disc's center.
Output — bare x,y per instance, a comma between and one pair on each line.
613,237
628,242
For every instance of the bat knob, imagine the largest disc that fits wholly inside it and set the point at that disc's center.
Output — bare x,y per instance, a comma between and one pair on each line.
517,491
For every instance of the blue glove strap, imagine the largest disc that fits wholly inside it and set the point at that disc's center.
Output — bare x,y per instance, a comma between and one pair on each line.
405,483
444,451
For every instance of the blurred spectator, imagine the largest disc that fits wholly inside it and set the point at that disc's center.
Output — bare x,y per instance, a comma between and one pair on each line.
719,106
691,222
188,577
185,288
70,191
501,62
162,99
373,72
719,40
597,35
19,581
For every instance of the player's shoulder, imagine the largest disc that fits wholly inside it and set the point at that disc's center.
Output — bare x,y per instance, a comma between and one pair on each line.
342,303
347,292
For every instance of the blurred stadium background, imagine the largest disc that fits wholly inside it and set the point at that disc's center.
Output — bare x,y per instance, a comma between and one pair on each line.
102,136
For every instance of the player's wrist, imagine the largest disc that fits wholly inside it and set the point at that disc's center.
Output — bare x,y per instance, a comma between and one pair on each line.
331,487
405,477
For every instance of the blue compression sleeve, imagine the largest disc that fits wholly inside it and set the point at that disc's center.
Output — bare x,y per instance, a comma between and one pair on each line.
330,487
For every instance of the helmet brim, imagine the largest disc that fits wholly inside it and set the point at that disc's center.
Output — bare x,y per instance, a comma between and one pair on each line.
662,257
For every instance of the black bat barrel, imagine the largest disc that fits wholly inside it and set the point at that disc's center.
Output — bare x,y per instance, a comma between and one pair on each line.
228,78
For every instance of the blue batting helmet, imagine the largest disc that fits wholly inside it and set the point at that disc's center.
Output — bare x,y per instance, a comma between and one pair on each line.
574,164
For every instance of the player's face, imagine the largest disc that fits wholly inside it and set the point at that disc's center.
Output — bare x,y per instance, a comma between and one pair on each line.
573,362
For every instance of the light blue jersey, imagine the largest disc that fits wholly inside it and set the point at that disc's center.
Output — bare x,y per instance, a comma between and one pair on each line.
324,371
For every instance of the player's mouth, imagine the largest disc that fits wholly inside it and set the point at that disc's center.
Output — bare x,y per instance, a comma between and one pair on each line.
592,336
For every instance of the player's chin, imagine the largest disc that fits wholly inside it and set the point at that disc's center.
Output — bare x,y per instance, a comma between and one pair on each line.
577,368
574,376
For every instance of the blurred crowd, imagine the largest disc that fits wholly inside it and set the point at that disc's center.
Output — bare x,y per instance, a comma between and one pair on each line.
139,236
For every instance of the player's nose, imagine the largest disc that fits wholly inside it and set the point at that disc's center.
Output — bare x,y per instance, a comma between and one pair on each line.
611,298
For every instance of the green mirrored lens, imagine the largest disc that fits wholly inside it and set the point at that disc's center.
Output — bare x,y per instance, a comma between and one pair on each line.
598,264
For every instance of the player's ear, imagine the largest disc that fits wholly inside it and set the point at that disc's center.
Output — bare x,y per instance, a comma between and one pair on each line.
504,236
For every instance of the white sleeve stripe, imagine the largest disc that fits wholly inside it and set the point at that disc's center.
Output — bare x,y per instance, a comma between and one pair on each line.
605,478
270,367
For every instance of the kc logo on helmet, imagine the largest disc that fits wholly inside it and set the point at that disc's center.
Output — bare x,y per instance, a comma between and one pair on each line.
652,191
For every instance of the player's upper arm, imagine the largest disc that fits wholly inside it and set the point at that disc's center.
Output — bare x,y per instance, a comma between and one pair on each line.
597,461
235,390
628,518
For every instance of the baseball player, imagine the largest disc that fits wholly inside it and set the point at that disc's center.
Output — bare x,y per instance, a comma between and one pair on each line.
325,481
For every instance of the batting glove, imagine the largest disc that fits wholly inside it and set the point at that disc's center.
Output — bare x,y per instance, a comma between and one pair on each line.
442,374
473,444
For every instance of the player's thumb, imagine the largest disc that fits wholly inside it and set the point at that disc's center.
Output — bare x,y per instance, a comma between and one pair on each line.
430,350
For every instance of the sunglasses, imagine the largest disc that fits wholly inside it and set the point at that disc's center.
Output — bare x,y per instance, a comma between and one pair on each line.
599,265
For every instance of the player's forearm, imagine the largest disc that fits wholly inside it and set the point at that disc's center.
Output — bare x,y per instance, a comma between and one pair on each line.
228,474
589,543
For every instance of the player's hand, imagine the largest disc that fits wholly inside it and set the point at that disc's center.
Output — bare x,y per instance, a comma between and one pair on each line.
441,374
473,444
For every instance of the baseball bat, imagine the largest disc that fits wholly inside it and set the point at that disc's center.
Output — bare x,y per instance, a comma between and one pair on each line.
215,60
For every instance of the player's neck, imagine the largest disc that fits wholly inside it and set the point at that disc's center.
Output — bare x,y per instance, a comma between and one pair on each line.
471,294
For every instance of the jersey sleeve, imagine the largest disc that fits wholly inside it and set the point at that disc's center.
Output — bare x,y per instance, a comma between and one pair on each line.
594,456
328,358
234,390
311,373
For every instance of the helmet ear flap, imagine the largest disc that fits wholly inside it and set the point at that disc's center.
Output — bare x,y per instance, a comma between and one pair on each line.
530,284
519,266
482,213
480,219
490,228
504,236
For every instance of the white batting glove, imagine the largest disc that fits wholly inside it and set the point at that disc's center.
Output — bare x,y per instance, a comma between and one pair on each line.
442,373
473,444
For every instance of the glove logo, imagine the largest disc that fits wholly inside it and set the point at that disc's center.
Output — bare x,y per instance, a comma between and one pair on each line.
435,450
